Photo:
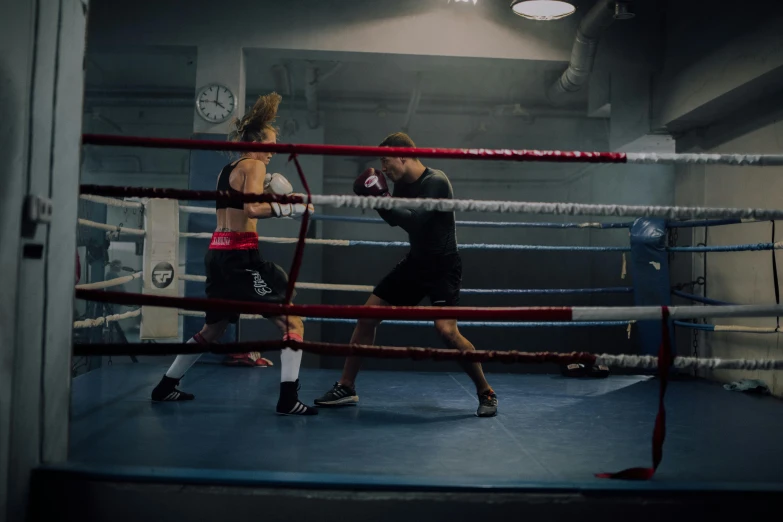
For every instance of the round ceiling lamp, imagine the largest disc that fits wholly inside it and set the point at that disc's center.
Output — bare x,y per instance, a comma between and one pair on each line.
542,9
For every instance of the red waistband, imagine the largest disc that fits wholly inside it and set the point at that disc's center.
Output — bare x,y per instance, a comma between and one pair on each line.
234,241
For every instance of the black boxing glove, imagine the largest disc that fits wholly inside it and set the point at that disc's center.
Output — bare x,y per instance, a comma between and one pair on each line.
371,182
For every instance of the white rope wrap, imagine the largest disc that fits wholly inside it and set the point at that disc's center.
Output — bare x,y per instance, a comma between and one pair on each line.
197,210
111,228
573,209
651,362
188,277
98,321
705,159
114,202
195,313
109,283
743,329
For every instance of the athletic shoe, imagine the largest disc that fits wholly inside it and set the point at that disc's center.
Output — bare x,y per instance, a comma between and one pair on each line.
599,371
252,359
488,404
574,370
289,404
339,395
166,391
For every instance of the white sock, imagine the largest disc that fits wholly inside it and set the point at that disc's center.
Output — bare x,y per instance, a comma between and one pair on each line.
290,359
289,364
184,361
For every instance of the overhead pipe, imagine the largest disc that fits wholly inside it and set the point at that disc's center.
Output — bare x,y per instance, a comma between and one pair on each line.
585,47
413,104
124,98
312,79
311,93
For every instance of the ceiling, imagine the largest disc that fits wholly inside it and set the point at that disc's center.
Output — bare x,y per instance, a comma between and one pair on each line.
170,74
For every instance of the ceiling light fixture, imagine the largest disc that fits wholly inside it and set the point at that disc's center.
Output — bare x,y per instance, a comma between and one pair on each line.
464,1
542,9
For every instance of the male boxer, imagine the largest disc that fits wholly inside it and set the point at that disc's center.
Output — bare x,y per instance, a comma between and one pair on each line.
234,267
432,268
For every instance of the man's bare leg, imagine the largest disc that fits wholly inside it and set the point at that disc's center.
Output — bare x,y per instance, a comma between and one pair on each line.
452,338
344,393
363,333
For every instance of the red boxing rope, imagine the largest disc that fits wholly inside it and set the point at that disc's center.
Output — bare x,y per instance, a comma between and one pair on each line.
299,252
555,156
347,350
333,311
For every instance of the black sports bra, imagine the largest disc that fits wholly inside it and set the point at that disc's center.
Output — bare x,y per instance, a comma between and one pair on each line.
224,184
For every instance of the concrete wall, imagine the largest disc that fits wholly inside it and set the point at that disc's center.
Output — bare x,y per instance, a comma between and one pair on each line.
742,277
42,83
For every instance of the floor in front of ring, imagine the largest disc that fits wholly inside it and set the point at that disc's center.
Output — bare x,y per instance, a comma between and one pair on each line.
549,429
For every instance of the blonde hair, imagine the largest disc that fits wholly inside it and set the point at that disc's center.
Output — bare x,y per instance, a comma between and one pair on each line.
257,124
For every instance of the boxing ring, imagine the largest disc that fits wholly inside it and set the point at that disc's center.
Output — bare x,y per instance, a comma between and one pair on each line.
646,428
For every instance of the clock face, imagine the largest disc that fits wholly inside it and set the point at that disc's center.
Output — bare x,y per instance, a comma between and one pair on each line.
215,103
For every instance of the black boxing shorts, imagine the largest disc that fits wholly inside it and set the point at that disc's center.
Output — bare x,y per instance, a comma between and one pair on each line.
438,277
236,271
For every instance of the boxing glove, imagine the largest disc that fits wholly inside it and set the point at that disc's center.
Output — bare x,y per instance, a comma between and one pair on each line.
277,184
291,210
371,182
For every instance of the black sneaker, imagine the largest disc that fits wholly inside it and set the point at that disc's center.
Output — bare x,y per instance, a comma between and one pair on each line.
289,403
488,404
339,395
166,391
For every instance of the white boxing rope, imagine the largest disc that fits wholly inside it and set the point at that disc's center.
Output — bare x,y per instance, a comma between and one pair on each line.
467,205
110,282
654,313
113,202
757,160
98,321
651,362
111,228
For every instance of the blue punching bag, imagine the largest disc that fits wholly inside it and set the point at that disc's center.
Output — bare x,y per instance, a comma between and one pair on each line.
650,269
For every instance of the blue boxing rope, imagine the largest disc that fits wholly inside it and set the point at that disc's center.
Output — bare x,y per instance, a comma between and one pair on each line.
491,324
549,291
728,248
700,299
696,326
707,222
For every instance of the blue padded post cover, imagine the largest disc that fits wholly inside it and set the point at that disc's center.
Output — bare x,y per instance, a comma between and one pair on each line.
650,270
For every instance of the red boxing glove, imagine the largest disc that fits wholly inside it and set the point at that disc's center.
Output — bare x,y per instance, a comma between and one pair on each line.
371,182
